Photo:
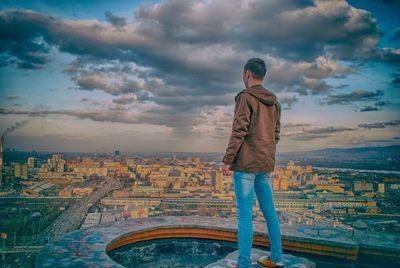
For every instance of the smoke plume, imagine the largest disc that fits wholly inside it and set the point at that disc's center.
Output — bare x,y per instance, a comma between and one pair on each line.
14,127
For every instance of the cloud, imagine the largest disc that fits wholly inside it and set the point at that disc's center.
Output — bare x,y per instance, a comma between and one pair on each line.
396,35
12,97
287,101
294,125
391,2
117,116
91,82
354,96
125,99
184,57
111,76
396,81
377,107
387,55
304,77
297,29
209,41
380,124
315,133
328,130
181,124
369,108
116,21
368,142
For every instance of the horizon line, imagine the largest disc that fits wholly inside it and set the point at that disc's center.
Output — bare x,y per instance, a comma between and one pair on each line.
187,152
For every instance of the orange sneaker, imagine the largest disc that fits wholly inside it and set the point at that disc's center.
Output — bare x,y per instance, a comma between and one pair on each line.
266,262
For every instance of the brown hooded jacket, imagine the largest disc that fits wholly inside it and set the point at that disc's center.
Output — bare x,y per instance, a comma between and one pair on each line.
255,131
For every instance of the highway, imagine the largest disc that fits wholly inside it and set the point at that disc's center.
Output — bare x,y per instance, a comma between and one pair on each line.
68,221
72,218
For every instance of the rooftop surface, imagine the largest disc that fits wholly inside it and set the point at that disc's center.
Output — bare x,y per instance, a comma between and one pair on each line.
88,247
289,261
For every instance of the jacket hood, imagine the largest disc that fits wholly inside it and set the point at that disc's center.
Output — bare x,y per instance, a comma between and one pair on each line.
260,93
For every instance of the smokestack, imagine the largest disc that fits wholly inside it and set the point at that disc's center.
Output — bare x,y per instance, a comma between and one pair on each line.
8,130
1,158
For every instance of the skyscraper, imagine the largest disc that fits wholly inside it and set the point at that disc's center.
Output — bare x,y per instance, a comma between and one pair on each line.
20,170
31,162
17,170
216,181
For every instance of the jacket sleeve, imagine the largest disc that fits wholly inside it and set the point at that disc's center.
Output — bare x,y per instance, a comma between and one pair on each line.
278,122
240,128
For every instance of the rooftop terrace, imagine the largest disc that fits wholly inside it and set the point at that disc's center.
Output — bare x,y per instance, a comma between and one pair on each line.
89,247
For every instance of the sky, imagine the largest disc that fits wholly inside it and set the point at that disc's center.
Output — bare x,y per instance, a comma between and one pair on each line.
148,76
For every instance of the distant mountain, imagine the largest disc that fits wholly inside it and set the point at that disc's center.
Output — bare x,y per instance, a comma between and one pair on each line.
379,158
393,150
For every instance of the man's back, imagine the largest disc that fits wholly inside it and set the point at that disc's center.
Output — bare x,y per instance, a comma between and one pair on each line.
255,131
251,155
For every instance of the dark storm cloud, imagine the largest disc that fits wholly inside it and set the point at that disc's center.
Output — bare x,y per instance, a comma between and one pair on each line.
380,124
183,54
21,38
354,96
27,31
296,29
170,43
115,20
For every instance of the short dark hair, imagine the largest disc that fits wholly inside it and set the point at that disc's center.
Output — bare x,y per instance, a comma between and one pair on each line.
257,68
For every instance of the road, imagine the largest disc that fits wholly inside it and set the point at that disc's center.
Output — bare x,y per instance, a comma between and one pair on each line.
69,220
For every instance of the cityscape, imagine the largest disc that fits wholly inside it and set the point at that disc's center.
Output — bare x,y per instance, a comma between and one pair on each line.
118,119
44,196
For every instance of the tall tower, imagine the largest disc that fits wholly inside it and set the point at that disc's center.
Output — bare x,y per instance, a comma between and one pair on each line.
17,170
1,159
31,162
216,180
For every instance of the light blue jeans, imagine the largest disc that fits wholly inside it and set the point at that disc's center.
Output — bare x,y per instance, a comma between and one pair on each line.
245,183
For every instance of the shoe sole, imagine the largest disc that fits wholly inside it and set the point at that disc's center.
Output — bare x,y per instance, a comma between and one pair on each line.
263,266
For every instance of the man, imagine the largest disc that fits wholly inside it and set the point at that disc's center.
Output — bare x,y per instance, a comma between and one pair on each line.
251,155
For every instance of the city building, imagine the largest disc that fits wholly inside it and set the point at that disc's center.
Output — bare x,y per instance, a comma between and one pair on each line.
36,189
21,170
31,162
216,180
360,186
